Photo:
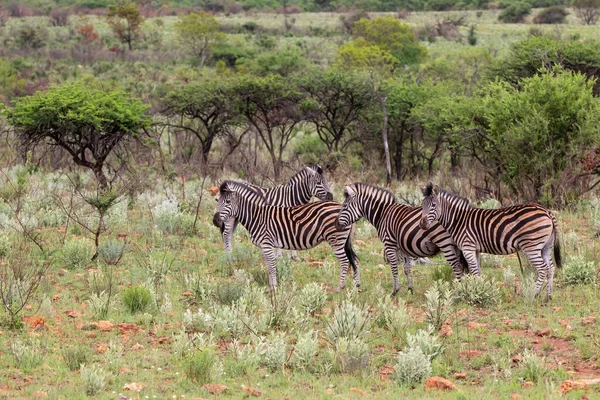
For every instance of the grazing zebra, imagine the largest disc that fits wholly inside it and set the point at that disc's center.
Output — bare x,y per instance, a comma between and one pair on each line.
307,183
529,228
301,227
398,228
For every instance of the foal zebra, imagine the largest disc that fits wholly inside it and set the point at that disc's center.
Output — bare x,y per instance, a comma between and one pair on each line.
299,228
307,183
398,228
528,227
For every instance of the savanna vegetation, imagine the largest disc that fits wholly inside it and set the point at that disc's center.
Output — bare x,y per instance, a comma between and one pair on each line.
117,118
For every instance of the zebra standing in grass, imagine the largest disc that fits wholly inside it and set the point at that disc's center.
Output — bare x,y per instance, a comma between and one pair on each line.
299,228
398,228
307,183
529,228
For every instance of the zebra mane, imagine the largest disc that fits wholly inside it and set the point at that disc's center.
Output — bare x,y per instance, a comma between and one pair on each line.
302,173
428,190
241,187
365,188
455,198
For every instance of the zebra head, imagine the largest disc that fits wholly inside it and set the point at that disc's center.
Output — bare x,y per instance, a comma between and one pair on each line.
318,184
227,204
351,209
431,205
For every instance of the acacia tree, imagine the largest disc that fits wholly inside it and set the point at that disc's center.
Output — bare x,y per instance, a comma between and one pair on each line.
126,23
271,107
204,108
88,123
588,11
198,32
336,103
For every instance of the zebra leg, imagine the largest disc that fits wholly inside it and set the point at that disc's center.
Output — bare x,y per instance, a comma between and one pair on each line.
536,259
472,259
279,253
269,256
409,262
356,273
337,244
550,266
294,255
227,234
391,255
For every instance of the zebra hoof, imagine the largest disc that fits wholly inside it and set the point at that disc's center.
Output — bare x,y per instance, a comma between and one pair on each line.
395,292
411,290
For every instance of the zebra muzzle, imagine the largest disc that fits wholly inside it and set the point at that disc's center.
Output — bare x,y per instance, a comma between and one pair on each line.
424,224
217,220
329,196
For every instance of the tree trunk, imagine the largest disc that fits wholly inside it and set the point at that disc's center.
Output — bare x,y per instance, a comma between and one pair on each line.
100,177
398,155
386,146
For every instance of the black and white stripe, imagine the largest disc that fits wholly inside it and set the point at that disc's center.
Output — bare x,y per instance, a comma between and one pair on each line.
398,228
529,228
307,183
299,228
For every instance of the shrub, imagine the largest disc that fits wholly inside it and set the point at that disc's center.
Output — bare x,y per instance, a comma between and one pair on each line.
76,254
272,351
528,289
349,321
137,298
350,355
427,342
509,277
75,355
5,246
438,305
197,322
411,367
306,349
442,273
534,367
111,251
228,292
113,356
312,298
515,12
579,272
551,15
180,344
199,366
588,11
94,379
99,304
169,219
27,355
394,318
477,291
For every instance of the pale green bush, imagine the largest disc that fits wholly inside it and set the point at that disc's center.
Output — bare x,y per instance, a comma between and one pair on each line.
76,253
349,321
312,298
438,305
412,367
306,349
477,291
94,379
579,272
427,341
350,355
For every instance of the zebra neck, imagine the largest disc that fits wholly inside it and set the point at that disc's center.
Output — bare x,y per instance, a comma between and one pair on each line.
374,213
249,215
451,216
298,194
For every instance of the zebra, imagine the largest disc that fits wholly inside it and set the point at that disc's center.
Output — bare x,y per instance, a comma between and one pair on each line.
301,227
529,228
398,228
305,184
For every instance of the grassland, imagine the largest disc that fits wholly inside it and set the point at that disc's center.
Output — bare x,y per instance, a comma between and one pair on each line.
185,271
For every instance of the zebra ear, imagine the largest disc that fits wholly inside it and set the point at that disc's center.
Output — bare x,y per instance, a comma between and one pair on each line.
319,169
348,191
224,187
310,170
436,190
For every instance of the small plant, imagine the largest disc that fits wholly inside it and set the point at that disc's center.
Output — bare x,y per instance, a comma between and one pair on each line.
438,305
442,273
137,298
28,354
477,291
197,322
195,284
509,277
272,351
76,254
534,368
75,355
111,251
472,36
169,218
199,365
515,12
412,367
306,349
350,355
427,342
99,305
312,298
349,321
94,379
396,318
579,272
528,284
181,345
113,356
228,292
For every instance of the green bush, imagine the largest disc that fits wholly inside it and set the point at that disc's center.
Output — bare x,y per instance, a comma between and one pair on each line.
137,299
515,12
412,367
75,355
111,251
198,367
551,15
477,291
76,254
579,272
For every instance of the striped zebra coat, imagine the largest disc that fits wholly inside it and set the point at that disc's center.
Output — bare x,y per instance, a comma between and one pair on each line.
297,228
398,228
529,228
307,183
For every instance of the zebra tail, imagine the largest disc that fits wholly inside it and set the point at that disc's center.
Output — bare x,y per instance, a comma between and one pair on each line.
352,257
557,253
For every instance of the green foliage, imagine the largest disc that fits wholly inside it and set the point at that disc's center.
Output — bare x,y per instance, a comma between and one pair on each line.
126,22
349,321
551,15
427,341
361,55
27,354
137,299
515,12
389,34
198,32
588,11
412,367
579,272
438,305
312,298
534,368
284,63
477,291
75,355
198,366
111,251
94,379
76,254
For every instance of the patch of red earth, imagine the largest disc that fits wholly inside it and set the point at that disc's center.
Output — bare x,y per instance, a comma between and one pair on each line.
468,354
